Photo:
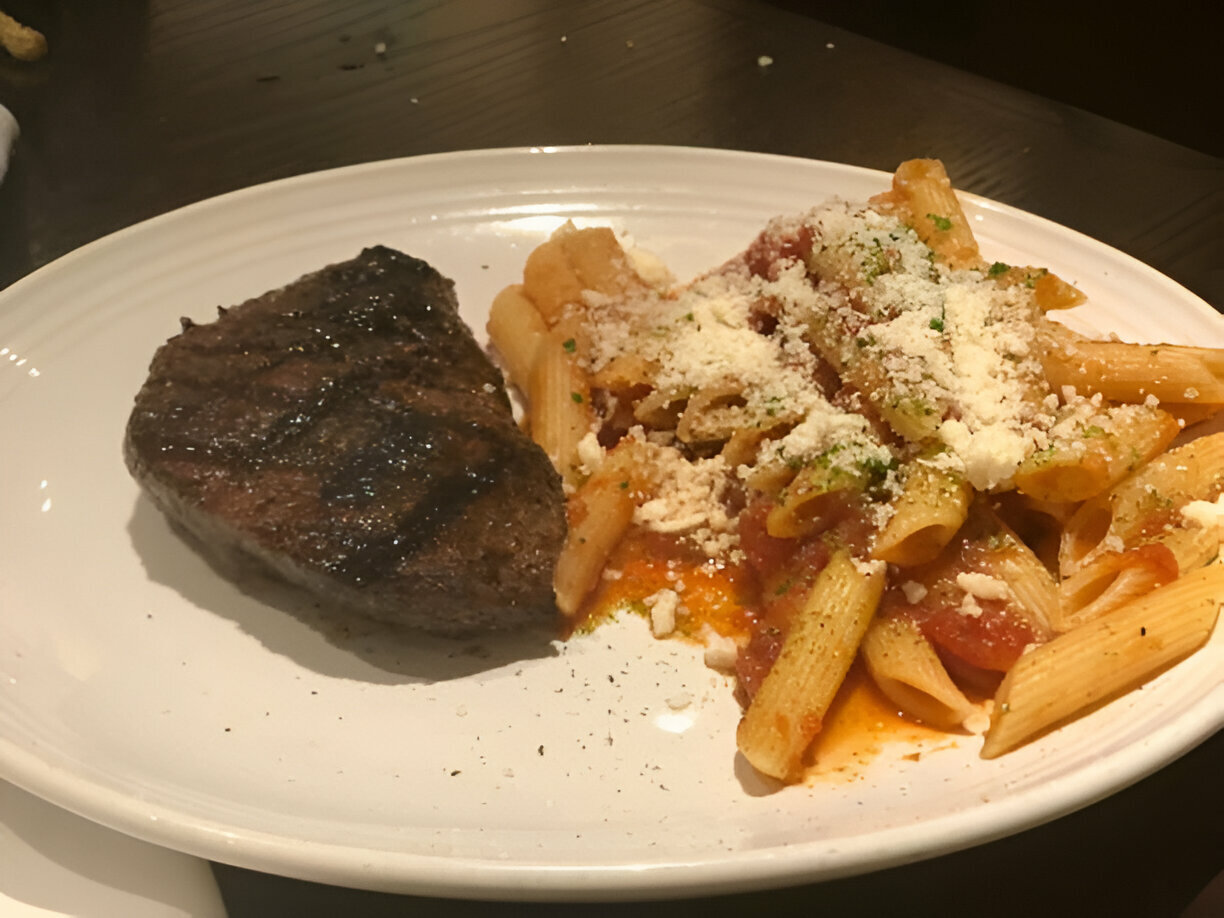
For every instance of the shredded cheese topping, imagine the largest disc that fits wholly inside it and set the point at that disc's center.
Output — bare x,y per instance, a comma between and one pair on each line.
954,345
955,349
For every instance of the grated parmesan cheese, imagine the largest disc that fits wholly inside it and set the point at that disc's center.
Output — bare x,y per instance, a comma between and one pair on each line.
969,606
662,606
721,652
951,343
690,500
983,586
952,351
590,453
1207,514
868,567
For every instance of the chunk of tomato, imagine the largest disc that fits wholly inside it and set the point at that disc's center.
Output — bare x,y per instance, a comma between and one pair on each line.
993,639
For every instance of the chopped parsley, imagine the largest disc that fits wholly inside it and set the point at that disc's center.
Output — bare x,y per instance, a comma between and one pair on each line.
1042,456
570,345
998,268
875,472
875,262
577,397
825,459
1030,280
943,224
913,406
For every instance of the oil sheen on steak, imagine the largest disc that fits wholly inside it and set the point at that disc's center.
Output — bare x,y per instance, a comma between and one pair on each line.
348,431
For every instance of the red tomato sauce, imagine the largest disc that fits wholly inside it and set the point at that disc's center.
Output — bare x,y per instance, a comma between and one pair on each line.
859,724
753,602
984,633
719,595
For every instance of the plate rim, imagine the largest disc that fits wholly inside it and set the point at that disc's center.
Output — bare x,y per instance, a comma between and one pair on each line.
224,199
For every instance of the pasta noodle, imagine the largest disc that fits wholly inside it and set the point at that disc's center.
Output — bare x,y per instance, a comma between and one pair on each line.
1146,505
931,509
559,412
1095,661
516,329
908,670
606,510
1096,452
861,439
787,710
1187,379
922,189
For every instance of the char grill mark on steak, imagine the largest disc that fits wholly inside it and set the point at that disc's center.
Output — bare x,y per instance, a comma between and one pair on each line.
419,442
348,431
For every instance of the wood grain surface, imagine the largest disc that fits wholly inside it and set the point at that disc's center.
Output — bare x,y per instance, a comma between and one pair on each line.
144,107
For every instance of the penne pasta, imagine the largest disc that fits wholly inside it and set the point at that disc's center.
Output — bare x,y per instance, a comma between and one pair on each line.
550,281
923,189
606,512
1029,581
912,416
742,447
1096,453
661,409
923,192
561,273
1037,523
600,513
906,668
1085,666
929,511
860,439
597,259
712,414
516,329
1146,505
1113,578
812,492
1050,292
560,412
624,373
787,710
1123,372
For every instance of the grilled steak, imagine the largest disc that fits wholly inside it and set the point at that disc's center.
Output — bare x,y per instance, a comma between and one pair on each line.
348,432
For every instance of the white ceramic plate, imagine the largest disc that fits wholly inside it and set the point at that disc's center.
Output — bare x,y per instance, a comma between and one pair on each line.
55,864
143,691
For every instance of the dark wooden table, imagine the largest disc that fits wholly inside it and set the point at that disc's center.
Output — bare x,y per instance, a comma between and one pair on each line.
142,107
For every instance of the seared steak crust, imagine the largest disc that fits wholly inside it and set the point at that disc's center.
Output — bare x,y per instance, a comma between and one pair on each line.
348,432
